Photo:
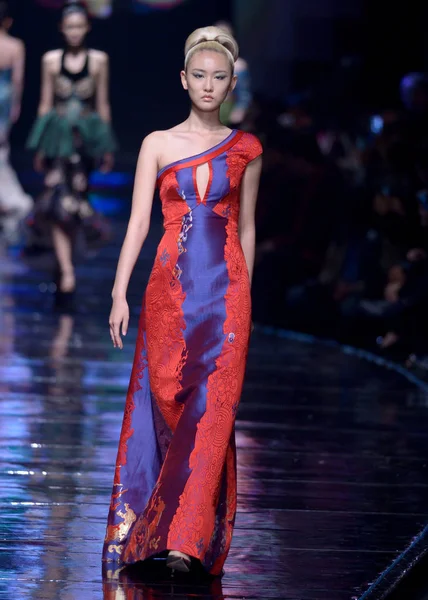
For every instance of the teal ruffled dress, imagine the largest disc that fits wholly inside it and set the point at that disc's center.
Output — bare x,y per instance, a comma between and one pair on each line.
73,139
55,135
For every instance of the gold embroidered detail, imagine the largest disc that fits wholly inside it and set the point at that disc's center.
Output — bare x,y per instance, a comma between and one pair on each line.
113,575
114,548
154,543
120,531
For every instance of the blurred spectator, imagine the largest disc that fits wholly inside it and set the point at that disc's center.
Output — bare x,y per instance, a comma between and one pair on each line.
343,222
301,203
235,108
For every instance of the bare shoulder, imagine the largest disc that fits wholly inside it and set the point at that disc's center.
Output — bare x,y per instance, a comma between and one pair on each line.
98,57
153,142
52,59
178,133
17,46
162,137
11,49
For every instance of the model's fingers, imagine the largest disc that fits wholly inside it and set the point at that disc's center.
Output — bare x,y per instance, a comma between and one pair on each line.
115,330
118,339
112,336
125,325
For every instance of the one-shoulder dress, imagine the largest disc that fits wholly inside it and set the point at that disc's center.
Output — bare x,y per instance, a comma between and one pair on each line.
175,479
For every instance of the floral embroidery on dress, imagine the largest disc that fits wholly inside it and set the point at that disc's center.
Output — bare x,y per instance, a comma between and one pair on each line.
182,238
164,257
192,505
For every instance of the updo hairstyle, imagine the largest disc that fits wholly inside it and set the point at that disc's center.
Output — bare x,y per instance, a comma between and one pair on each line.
211,38
74,6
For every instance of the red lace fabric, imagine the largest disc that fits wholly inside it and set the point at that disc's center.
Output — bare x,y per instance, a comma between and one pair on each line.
166,348
198,517
194,523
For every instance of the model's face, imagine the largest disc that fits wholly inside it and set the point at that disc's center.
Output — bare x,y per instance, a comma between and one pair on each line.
208,79
75,27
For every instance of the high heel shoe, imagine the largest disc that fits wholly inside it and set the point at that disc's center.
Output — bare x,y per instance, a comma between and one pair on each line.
178,561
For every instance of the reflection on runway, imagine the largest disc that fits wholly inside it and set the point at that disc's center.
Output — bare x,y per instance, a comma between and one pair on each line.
147,582
331,455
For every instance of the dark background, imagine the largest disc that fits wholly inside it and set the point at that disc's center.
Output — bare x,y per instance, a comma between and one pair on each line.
384,40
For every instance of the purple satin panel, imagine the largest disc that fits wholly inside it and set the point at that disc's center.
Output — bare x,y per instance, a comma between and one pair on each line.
143,461
176,469
204,280
144,465
186,189
220,186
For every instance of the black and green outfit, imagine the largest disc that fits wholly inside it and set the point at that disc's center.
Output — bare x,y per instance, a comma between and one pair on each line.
73,138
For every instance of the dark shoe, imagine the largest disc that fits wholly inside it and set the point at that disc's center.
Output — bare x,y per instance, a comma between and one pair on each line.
177,561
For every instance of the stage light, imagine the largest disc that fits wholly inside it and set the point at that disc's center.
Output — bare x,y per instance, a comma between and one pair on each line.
149,5
100,8
96,8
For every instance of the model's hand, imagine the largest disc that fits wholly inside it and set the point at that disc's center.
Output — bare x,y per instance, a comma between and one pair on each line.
107,163
119,319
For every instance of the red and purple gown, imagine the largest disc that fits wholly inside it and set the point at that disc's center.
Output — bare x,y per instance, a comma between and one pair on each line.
175,479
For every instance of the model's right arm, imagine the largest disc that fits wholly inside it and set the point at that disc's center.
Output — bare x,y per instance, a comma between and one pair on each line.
138,228
47,89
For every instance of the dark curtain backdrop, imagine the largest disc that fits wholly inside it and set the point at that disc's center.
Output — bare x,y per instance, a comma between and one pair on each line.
297,44
146,54
395,43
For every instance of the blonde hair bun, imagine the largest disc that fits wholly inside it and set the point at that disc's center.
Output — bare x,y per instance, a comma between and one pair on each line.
211,38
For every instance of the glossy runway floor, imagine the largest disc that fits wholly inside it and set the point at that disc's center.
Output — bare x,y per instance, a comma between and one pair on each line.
332,455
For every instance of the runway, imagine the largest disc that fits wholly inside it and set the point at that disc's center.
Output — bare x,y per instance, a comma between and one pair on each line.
332,450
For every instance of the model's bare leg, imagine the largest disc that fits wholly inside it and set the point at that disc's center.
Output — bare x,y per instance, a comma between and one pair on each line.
62,243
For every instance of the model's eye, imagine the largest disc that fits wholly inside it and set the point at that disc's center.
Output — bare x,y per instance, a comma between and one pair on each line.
198,75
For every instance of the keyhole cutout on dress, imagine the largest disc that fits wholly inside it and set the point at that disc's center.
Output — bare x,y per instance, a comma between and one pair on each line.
202,180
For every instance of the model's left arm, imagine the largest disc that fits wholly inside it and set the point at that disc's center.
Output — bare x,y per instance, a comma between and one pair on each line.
247,226
103,109
18,79
103,101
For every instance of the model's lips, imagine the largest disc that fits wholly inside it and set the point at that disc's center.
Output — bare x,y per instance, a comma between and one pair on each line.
207,97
